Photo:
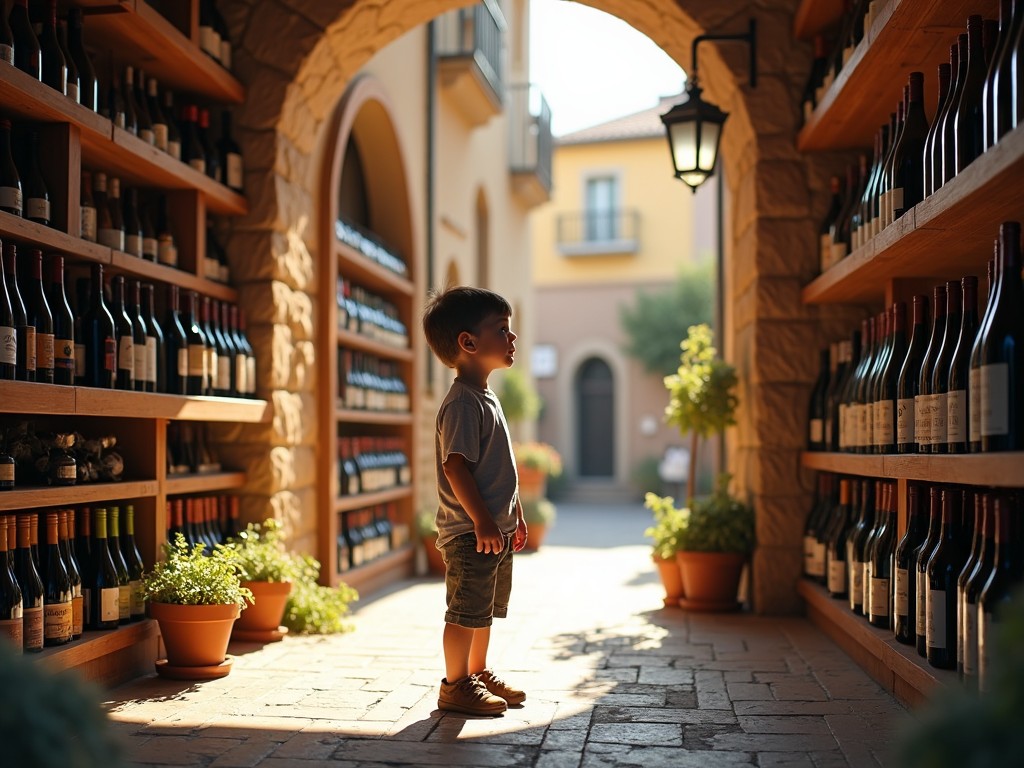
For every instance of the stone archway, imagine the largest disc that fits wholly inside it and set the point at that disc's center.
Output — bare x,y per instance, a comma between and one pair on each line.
770,249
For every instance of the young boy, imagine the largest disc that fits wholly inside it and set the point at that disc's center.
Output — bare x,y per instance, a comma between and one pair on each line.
479,519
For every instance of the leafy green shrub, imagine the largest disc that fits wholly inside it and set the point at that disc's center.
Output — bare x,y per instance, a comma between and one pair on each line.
314,608
719,523
539,511
259,554
668,524
189,577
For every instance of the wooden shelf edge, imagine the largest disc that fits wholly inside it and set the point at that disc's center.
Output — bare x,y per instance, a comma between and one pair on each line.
905,671
49,239
372,417
367,271
70,495
214,481
35,398
94,645
395,565
26,98
363,344
1001,470
147,269
115,403
843,463
352,503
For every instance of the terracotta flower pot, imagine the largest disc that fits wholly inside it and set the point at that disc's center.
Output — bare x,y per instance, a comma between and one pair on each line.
261,620
668,569
537,532
195,635
710,580
533,483
435,563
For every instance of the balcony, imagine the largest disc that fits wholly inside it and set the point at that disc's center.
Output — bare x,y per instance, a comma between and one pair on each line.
530,144
468,46
599,233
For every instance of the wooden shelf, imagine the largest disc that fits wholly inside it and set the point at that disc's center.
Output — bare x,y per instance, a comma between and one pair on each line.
363,500
143,37
25,98
816,16
95,645
906,35
214,481
149,270
1000,470
32,398
368,273
945,236
88,493
383,570
361,343
350,416
895,666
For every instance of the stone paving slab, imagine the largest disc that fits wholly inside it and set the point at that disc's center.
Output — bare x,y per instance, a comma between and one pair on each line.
613,679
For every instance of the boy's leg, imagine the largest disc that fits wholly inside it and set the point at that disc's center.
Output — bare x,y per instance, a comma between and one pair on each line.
478,650
457,642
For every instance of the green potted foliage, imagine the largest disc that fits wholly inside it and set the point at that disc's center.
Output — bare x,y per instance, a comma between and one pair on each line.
718,534
535,463
540,515
668,523
267,569
195,598
426,528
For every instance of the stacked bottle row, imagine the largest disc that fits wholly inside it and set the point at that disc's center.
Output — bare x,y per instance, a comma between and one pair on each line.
114,340
189,451
832,52
942,585
979,102
55,458
370,464
55,52
369,383
205,520
367,534
370,315
953,388
371,246
76,572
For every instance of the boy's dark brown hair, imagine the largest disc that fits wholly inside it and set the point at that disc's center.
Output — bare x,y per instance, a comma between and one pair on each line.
455,309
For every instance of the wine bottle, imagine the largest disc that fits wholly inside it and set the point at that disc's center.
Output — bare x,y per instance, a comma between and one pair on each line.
213,169
173,130
855,543
10,181
882,553
968,121
816,417
840,231
63,326
192,151
231,162
974,377
156,372
925,402
940,371
124,593
55,68
26,334
908,157
1002,351
140,345
156,115
230,352
132,223
844,397
1005,42
125,334
905,569
965,628
176,345
12,620
830,397
116,208
36,196
908,386
943,569
31,587
957,426
874,214
88,85
8,331
211,384
138,88
150,241
869,547
944,158
196,373
222,381
6,56
836,580
887,393
105,585
40,317
921,555
827,224
221,26
856,411
872,393
65,531
57,592
945,87
87,209
27,55
888,171
108,229
127,93
997,589
860,226
83,556
809,98
72,83
209,37
250,356
100,339
133,560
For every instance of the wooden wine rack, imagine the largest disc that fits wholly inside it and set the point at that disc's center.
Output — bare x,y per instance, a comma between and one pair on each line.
946,236
78,137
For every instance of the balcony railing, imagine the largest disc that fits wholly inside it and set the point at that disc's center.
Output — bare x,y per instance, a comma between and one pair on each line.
474,34
600,232
530,142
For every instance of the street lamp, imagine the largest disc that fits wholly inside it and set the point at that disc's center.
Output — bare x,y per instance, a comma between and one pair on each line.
694,126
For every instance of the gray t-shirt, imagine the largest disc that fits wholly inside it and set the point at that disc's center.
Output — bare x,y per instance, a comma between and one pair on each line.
470,422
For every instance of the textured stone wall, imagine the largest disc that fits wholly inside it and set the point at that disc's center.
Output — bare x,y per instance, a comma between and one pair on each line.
296,58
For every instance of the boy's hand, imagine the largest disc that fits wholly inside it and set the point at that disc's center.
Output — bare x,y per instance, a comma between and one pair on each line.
489,538
520,536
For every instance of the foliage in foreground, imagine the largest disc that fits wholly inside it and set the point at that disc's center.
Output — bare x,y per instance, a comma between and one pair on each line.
188,576
313,608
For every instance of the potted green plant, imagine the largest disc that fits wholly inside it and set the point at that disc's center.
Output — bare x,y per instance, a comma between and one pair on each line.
540,515
195,598
535,463
426,528
668,522
267,569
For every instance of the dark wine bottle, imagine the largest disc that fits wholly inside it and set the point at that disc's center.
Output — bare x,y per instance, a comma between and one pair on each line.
55,68
888,170
830,397
100,339
210,385
968,122
921,556
836,579
196,372
27,55
10,182
869,546
880,603
133,560
855,544
998,588
142,365
908,386
26,334
925,404
250,355
105,587
35,195
819,63
125,334
814,551
908,159
945,86
127,93
860,229
192,151
83,555
231,163
124,589
943,569
973,509
230,352
31,587
209,37
40,317
957,426
974,377
65,531
63,326
8,331
6,56
816,415
109,231
132,223
173,129
856,411
213,168
176,345
138,87
887,393
156,372
57,592
222,381
88,85
905,569
1002,351
1005,43
115,205
943,362
87,209
944,158
844,397
150,241
12,620
872,392
156,115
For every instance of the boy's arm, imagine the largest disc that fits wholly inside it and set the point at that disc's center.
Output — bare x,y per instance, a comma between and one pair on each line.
521,534
488,536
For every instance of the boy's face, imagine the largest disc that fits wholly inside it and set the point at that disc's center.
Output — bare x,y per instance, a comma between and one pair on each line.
493,345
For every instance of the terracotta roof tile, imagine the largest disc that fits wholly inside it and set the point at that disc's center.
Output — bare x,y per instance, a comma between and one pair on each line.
640,125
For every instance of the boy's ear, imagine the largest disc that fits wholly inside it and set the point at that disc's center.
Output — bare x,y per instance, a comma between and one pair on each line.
467,342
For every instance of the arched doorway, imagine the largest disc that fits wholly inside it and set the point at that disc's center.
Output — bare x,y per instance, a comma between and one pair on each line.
595,419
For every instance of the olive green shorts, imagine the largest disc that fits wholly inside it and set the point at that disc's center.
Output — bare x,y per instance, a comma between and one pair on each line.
478,584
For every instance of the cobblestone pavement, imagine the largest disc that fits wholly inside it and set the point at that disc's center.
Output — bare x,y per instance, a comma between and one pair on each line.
613,679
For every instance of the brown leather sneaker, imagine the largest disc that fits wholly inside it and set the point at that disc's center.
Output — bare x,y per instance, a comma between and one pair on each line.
470,697
499,687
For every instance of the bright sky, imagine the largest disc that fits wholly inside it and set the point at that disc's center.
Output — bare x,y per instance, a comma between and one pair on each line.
593,67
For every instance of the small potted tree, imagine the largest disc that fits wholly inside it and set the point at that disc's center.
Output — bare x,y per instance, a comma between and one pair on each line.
195,598
668,522
267,569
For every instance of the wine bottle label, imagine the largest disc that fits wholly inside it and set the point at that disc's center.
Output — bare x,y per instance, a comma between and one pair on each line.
935,628
12,629
44,351
197,360
995,395
819,550
183,362
956,416
77,616
212,368
986,628
88,223
37,209
138,602
29,332
7,474
124,602
109,603
151,361
209,41
140,360
57,621
32,627
250,375
150,248
844,417
210,268
902,592
7,53
974,404
64,354
126,355
905,421
224,371
67,470
923,419
838,252
866,586
852,425
79,361
817,429
147,135
112,238
174,148
160,136
856,582
825,252
883,423
234,170
879,597
10,198
938,433
836,575
110,355
896,201
133,245
166,252
198,163
74,93
240,374
8,345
